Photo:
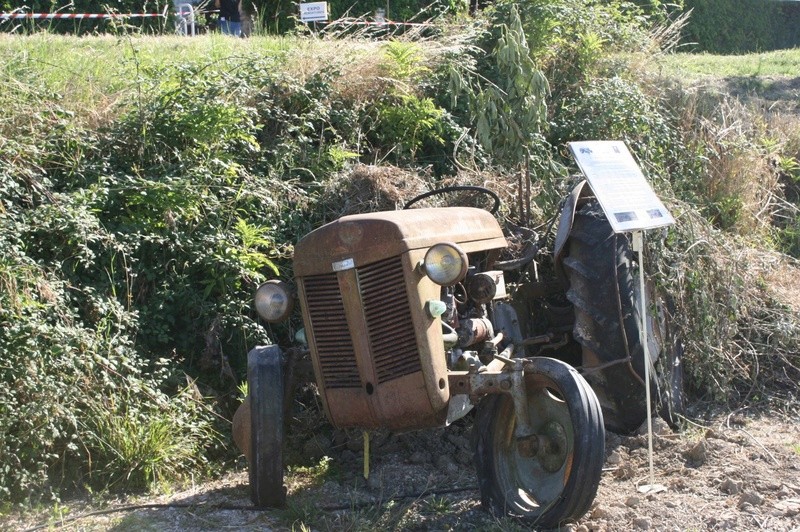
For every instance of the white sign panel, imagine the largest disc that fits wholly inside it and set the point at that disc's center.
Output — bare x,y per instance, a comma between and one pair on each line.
314,12
628,200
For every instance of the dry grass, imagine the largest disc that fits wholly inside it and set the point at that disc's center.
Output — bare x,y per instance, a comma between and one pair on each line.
372,188
741,178
740,335
369,188
364,68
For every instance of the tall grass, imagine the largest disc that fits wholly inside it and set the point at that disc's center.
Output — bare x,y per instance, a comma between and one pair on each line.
85,74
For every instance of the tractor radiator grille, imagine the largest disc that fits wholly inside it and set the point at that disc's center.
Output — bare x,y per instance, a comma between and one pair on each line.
387,314
325,308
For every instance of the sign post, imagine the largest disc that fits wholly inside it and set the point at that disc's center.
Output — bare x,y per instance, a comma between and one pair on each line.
630,205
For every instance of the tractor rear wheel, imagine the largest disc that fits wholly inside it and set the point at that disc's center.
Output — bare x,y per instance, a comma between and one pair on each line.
604,286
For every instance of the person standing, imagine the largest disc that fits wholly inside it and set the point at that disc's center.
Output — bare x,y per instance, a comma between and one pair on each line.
230,21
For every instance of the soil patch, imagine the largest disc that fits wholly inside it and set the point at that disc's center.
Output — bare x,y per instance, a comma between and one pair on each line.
736,471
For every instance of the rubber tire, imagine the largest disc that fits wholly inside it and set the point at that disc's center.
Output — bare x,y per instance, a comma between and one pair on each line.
496,461
603,290
265,379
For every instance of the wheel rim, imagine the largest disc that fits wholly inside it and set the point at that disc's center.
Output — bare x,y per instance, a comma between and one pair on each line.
535,478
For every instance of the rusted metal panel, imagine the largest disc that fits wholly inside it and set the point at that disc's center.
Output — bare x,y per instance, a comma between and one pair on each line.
367,238
379,358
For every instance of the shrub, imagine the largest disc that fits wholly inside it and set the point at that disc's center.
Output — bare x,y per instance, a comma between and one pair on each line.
57,370
733,26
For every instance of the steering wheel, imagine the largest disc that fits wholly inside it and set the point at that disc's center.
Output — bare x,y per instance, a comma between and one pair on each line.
458,188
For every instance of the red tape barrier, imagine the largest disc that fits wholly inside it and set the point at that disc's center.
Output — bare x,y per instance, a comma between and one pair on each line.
77,15
392,23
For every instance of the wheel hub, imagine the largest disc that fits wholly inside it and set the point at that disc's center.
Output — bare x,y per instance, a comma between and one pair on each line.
549,446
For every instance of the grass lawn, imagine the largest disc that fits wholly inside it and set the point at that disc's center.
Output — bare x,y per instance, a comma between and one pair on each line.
697,66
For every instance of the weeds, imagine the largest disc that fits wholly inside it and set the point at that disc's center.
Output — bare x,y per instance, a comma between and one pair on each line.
142,201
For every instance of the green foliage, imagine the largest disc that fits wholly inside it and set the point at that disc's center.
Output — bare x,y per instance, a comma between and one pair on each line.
410,122
60,370
733,26
404,60
507,98
511,111
567,36
617,109
138,446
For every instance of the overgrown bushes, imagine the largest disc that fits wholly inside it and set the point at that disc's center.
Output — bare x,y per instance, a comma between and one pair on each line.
134,249
132,239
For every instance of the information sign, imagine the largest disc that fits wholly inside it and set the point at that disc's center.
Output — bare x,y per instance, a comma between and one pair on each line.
314,12
628,200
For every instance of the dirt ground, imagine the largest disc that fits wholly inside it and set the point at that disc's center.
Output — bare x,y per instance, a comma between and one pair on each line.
734,471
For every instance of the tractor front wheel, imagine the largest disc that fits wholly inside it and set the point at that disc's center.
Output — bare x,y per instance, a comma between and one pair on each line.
265,379
551,476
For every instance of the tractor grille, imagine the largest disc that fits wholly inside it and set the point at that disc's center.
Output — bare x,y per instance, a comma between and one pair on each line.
337,358
388,317
387,314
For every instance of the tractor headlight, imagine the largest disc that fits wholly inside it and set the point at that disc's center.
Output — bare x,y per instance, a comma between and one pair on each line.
274,301
445,264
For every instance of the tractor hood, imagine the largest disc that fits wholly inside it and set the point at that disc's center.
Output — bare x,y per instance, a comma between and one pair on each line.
361,239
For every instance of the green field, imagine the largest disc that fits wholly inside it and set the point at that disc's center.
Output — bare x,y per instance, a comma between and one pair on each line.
783,63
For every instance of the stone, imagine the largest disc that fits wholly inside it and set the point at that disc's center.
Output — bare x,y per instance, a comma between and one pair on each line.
633,501
625,471
698,453
642,523
614,458
660,427
731,487
750,497
600,512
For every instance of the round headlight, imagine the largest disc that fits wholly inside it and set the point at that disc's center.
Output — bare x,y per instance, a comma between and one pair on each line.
445,264
274,301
